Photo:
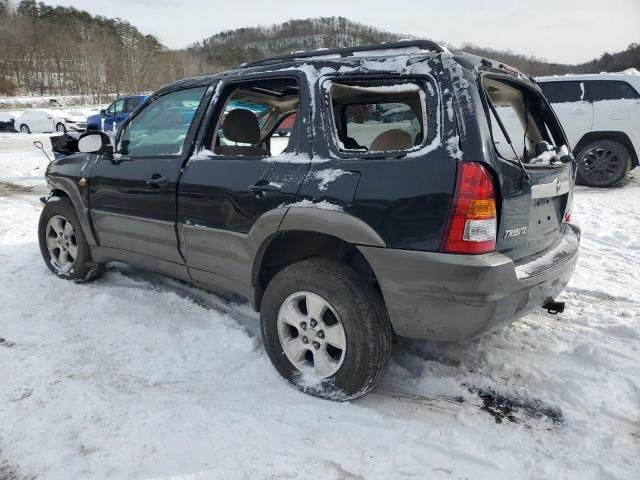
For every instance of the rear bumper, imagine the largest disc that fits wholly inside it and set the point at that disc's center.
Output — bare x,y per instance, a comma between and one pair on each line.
455,297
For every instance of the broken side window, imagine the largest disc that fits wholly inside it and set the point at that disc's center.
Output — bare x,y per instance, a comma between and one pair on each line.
369,117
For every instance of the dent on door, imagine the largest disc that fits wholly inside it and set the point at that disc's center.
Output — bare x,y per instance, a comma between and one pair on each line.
226,208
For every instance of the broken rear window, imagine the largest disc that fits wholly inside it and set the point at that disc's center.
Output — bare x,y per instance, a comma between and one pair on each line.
528,123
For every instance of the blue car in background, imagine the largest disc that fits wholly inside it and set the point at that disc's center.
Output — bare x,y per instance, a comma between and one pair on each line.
110,119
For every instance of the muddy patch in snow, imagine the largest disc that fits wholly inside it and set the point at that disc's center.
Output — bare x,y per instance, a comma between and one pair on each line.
7,344
502,407
7,189
11,472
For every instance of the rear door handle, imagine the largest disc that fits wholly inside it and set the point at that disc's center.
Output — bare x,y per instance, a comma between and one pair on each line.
157,181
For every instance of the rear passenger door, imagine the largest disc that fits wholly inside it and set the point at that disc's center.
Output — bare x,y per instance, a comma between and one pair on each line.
572,106
229,185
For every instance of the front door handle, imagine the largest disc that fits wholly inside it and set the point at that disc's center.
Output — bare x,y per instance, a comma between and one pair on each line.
263,188
157,181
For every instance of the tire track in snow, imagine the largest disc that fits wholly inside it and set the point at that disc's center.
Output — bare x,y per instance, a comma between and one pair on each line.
392,401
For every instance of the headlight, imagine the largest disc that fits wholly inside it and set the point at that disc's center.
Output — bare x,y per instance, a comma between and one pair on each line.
68,120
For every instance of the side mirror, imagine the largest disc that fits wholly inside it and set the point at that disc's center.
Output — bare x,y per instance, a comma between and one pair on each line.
103,112
93,142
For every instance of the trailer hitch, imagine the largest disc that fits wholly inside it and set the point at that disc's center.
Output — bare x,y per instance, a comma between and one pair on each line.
554,307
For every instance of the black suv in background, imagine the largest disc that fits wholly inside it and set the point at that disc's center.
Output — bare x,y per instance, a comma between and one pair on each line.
400,205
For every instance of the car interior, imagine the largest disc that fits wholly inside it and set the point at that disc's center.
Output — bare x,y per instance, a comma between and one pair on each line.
377,118
252,113
522,114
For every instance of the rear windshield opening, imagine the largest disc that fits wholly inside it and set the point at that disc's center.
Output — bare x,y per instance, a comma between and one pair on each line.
527,120
377,118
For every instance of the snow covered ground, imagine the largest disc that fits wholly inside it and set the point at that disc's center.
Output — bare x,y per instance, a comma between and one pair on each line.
53,101
138,376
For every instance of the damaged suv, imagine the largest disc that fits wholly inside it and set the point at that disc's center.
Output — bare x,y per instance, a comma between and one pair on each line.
400,204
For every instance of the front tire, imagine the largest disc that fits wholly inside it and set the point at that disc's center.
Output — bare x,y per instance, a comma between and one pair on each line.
63,246
24,129
325,329
603,163
60,128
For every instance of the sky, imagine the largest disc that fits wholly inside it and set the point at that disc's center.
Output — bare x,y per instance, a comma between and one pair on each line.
565,31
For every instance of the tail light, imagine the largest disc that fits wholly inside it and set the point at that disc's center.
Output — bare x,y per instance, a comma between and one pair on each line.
472,221
567,211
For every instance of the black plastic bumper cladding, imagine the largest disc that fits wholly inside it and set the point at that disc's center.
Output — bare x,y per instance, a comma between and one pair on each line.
455,297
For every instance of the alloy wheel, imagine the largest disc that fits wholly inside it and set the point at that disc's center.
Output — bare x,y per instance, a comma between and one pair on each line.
62,243
601,164
311,334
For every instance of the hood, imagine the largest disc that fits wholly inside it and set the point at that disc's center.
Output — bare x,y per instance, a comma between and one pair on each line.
94,119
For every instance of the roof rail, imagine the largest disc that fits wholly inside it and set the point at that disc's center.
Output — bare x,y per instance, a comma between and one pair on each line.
348,51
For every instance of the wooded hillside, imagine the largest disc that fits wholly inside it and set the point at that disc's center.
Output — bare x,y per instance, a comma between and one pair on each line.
232,47
58,50
49,50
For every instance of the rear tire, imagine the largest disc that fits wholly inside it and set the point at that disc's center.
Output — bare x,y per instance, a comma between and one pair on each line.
603,163
348,302
63,246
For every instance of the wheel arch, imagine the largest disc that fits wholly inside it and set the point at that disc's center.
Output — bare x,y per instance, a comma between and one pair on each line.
308,232
65,188
56,192
617,136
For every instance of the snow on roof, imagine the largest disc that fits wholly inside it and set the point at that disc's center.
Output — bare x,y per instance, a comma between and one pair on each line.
388,52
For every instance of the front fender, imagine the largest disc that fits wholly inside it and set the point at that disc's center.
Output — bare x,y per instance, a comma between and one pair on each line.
63,176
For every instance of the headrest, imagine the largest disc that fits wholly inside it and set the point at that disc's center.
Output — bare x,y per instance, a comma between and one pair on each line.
241,126
394,139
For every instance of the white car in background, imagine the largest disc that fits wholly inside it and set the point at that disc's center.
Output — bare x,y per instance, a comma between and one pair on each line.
45,121
601,116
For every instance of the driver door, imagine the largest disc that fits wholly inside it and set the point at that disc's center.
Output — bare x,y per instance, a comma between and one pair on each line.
133,195
111,122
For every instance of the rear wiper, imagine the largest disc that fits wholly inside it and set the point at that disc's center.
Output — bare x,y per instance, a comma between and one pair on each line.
525,174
